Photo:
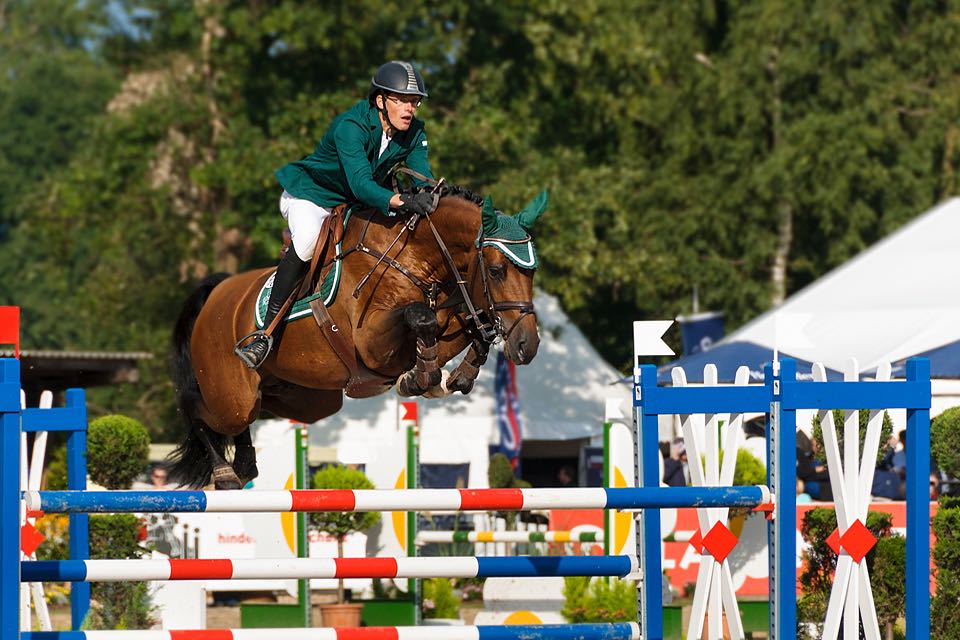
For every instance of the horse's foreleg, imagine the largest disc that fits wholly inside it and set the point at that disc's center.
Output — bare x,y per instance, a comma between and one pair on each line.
466,373
245,458
426,372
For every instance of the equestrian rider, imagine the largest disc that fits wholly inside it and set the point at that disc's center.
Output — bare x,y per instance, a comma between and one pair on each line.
350,164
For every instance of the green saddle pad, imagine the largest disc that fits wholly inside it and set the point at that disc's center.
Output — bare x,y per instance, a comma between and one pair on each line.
301,308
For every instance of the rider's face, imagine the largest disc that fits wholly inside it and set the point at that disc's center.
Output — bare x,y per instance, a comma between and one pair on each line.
401,108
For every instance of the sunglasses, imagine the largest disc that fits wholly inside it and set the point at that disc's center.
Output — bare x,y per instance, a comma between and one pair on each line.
415,101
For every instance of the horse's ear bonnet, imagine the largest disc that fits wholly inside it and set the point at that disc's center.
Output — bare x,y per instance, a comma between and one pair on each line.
511,234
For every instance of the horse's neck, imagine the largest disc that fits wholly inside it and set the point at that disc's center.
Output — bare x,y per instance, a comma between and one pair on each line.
456,221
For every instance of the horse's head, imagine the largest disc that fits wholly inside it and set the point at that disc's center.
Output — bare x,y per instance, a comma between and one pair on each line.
507,261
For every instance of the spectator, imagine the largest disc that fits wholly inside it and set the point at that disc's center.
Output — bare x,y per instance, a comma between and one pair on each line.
565,477
811,469
802,496
158,477
934,487
674,467
898,464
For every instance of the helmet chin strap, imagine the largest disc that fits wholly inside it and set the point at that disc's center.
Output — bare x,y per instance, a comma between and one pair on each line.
386,116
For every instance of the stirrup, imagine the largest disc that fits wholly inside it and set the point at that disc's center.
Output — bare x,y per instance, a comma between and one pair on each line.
248,340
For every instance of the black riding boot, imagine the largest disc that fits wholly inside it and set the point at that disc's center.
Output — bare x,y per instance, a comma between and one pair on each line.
289,273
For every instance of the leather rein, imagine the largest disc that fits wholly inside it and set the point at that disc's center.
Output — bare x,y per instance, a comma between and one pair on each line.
486,321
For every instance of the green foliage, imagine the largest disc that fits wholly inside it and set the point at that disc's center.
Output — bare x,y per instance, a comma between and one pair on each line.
340,525
945,441
439,600
118,605
944,613
816,579
749,469
55,478
115,536
864,418
679,139
117,451
500,473
886,578
500,476
599,600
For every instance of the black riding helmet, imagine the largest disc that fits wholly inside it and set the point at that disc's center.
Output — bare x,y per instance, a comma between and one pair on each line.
400,77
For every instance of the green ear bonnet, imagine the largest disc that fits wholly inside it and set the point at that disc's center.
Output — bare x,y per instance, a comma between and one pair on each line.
511,234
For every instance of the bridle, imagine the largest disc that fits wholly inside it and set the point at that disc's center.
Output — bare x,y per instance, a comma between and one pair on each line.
493,329
487,322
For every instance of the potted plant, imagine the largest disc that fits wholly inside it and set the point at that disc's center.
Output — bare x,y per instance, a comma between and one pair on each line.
440,605
339,525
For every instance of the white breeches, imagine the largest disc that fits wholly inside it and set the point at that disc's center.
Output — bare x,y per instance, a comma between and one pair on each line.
304,219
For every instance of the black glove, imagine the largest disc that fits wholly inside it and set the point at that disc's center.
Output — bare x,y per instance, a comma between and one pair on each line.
416,203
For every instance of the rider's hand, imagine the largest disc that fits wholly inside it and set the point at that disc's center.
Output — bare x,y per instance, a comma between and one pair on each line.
419,203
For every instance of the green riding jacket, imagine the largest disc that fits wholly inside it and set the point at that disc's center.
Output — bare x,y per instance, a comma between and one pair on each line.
344,167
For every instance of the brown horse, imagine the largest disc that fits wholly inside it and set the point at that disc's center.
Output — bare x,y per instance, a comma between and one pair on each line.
413,294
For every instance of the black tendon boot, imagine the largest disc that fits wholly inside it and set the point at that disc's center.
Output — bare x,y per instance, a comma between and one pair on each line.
289,273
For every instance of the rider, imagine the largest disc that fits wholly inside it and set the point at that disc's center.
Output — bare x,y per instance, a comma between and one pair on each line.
350,164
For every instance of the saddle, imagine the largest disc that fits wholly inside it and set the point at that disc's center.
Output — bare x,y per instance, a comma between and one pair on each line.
363,382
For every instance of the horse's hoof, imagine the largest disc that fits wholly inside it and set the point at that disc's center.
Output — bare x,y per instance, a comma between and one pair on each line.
440,390
248,476
224,477
463,384
407,386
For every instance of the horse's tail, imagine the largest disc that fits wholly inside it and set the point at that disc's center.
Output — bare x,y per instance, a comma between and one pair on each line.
190,464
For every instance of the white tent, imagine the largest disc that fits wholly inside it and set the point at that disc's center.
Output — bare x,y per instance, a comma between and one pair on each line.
562,397
897,298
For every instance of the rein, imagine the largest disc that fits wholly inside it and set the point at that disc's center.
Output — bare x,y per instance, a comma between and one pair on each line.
492,328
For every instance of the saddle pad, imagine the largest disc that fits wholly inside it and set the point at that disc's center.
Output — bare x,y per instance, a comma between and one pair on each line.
300,308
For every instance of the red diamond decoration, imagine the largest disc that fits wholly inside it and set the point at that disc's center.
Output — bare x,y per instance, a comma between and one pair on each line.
834,541
30,539
696,541
857,541
719,542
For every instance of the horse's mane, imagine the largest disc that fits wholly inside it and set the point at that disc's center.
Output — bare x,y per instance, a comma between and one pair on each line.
457,191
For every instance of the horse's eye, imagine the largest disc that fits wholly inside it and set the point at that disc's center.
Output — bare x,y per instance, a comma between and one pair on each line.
498,271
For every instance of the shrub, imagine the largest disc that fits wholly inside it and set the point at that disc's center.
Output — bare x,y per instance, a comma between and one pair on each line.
500,476
500,472
944,613
56,475
886,577
598,600
117,451
115,535
749,470
816,579
337,524
439,600
864,417
120,605
945,441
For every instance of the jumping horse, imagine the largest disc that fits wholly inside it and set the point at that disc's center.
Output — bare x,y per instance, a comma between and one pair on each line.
413,293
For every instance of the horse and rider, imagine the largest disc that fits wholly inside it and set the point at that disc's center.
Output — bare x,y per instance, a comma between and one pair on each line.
418,276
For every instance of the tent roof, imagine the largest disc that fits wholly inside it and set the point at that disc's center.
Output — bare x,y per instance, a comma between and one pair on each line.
728,357
897,298
944,362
